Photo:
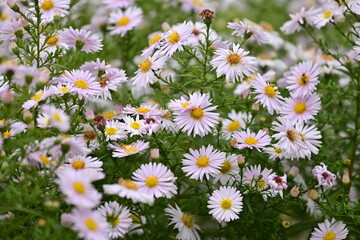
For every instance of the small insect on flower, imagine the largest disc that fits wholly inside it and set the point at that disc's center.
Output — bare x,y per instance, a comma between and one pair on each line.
225,204
330,230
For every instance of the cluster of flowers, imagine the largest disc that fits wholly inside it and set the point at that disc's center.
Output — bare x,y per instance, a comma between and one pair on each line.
127,130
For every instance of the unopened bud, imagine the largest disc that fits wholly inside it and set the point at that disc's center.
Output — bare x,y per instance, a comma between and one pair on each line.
241,159
347,162
53,204
286,224
27,115
4,165
233,142
294,192
154,153
165,26
66,219
313,194
12,4
41,222
294,171
207,14
266,130
14,48
7,97
255,107
25,24
346,177
89,114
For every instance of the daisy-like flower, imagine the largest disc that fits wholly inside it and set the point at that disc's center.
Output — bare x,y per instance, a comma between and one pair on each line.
251,30
154,44
130,190
257,178
76,185
203,162
193,5
15,129
134,126
145,75
330,230
89,225
225,204
298,18
176,38
331,11
236,122
267,94
97,68
53,42
56,118
235,64
50,8
251,140
146,111
229,170
310,136
114,130
303,79
275,151
156,180
42,158
123,21
184,222
81,40
82,83
83,163
301,109
117,217
325,177
116,4
38,97
64,144
12,30
277,184
124,150
195,115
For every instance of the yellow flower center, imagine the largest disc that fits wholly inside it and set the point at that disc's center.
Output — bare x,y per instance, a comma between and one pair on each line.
81,84
198,3
251,141
303,79
4,16
143,110
327,14
45,160
91,224
52,41
185,105
202,162
329,236
225,167
109,115
115,222
234,59
233,126
7,134
37,97
57,117
197,113
64,89
145,66
78,164
154,39
123,21
261,183
188,220
128,184
47,5
151,182
226,204
130,150
174,38
277,150
270,91
300,108
111,131
79,187
135,125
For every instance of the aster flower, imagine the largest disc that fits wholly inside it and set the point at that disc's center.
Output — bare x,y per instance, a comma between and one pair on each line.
195,115
82,83
175,39
116,4
123,21
303,79
41,157
117,217
63,144
145,75
184,222
229,170
134,126
275,151
237,121
267,94
251,140
97,68
330,12
50,8
114,130
325,177
256,32
298,18
193,5
130,190
38,97
234,64
154,44
53,42
310,136
89,225
144,110
258,179
12,30
277,184
156,180
124,150
203,162
83,163
76,185
225,204
15,129
81,40
56,118
330,230
301,109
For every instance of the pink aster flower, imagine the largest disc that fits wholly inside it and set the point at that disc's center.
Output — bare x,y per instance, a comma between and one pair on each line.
81,40
301,109
251,140
203,162
330,230
298,18
303,79
12,30
124,150
155,179
277,184
325,177
82,83
50,8
116,4
256,32
123,21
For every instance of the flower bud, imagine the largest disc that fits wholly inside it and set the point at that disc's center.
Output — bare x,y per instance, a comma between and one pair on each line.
7,97
313,194
66,219
241,159
53,204
347,162
294,171
4,165
154,153
346,177
286,224
89,114
25,25
294,192
41,222
14,48
12,4
27,115
255,107
266,130
165,26
233,142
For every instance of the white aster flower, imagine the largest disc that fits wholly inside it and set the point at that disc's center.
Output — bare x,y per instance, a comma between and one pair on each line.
124,21
325,177
330,230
